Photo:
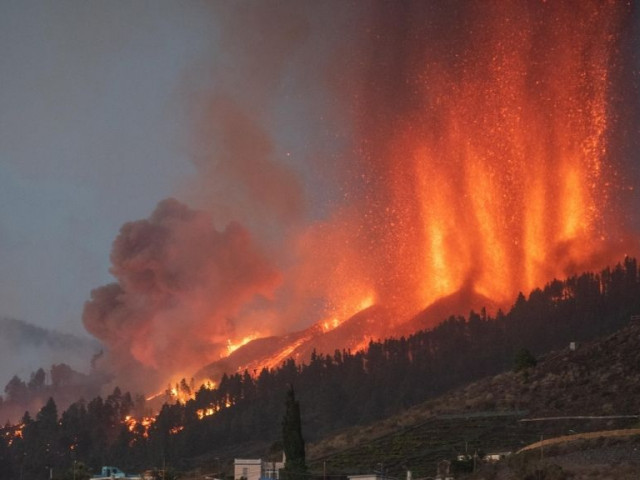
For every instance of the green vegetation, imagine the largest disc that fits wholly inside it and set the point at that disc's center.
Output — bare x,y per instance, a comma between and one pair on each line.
530,467
524,359
295,466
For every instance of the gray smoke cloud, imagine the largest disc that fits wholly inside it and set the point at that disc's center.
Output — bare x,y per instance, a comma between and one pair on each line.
181,284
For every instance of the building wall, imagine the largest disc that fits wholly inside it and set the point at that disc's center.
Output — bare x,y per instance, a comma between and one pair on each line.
251,469
373,476
256,469
271,469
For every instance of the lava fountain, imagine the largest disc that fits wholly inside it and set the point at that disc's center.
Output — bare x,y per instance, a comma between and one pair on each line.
485,141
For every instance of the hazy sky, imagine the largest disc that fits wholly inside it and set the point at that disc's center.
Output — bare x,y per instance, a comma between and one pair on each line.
92,134
103,110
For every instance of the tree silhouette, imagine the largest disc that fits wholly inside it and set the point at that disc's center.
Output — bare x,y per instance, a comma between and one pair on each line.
295,466
524,359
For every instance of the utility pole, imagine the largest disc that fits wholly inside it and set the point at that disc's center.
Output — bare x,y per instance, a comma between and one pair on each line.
475,459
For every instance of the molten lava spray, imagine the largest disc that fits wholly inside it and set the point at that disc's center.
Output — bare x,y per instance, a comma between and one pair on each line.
484,146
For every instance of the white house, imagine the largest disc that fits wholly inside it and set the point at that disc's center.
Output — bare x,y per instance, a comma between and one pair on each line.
256,469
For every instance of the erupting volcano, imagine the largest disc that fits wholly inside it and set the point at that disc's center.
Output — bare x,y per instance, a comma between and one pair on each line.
485,150
488,158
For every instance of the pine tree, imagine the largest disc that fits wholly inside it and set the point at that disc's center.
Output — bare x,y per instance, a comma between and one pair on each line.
295,466
524,359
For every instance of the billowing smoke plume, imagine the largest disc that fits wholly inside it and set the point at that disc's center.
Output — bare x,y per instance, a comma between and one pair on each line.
180,286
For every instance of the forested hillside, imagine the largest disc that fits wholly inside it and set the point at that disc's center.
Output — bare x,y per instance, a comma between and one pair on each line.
336,389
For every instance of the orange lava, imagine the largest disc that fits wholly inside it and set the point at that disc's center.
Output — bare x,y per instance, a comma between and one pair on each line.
232,347
490,168
347,309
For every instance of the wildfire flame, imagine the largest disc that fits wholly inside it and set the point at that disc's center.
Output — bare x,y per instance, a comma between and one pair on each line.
133,423
178,390
11,432
205,412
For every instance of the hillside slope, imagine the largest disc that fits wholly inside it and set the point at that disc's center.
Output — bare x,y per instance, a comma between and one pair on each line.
598,379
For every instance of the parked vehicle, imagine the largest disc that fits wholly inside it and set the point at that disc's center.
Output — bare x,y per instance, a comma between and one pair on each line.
108,473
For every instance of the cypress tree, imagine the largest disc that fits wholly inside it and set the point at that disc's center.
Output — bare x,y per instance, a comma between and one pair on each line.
295,466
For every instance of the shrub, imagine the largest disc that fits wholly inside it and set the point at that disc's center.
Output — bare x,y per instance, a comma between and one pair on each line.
524,359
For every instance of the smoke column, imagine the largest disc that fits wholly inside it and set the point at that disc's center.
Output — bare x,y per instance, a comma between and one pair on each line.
180,283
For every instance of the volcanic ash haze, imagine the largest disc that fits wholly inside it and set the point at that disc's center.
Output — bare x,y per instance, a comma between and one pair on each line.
488,149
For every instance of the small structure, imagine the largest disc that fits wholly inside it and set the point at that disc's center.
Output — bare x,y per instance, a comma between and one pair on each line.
573,346
256,469
367,476
496,457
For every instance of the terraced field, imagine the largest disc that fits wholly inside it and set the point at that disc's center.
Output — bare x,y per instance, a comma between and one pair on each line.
420,447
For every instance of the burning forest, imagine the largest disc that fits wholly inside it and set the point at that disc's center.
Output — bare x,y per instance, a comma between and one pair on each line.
490,149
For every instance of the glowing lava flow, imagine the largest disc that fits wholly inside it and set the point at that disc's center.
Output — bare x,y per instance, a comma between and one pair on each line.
232,347
346,310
